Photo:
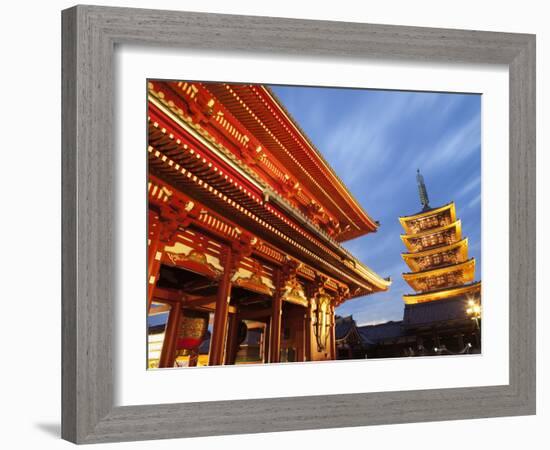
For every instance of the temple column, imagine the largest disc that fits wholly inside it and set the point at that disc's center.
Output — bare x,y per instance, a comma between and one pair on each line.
223,298
308,331
232,339
168,352
261,345
154,254
302,340
276,319
266,341
297,322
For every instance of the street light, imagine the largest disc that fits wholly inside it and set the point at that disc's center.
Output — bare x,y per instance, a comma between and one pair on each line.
474,310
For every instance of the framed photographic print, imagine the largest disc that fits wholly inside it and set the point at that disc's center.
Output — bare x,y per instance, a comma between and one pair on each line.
253,213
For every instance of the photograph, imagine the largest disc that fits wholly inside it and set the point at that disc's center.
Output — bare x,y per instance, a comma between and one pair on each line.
311,223
266,225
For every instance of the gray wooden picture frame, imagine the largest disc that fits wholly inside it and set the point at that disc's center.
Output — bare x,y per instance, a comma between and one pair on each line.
90,34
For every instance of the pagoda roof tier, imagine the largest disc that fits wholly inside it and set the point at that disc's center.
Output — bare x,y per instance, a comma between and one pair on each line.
412,258
443,294
228,191
417,280
442,210
264,132
408,239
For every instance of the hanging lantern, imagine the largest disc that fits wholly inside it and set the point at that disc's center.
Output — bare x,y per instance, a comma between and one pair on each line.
322,321
192,330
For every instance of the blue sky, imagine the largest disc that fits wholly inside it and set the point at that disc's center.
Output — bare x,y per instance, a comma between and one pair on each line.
375,140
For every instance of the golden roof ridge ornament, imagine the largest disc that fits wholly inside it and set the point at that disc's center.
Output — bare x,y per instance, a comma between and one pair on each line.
422,191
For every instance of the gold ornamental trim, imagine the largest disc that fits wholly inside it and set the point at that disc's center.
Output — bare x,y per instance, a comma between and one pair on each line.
443,294
293,292
432,212
465,266
412,259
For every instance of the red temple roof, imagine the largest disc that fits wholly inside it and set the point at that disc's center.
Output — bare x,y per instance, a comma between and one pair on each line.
198,144
257,108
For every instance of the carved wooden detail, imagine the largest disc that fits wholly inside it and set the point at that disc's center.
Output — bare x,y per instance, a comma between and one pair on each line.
196,259
254,281
291,289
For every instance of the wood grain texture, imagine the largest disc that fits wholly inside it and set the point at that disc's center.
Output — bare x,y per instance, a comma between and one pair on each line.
89,199
68,226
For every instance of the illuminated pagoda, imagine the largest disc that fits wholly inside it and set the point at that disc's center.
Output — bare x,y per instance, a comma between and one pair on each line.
245,224
446,297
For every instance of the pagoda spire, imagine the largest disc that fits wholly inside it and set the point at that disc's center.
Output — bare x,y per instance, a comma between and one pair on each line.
422,191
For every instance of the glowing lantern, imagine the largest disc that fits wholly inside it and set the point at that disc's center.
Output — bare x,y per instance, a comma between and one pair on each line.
192,331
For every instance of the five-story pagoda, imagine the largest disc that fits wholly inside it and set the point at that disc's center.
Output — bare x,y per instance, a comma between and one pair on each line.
441,275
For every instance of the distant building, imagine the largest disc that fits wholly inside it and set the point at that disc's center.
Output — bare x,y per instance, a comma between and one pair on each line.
388,340
383,340
350,344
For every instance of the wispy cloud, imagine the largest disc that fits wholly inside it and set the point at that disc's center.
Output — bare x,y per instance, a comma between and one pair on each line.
361,144
474,201
456,145
473,184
